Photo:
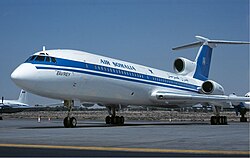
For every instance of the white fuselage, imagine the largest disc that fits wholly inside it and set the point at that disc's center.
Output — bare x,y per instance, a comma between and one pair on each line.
92,78
14,104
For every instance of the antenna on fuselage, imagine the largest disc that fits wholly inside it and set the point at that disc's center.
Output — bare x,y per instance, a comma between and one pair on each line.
44,48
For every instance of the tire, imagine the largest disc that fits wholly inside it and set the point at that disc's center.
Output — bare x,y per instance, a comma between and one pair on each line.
221,120
243,119
117,120
73,122
112,120
108,120
122,120
225,120
213,120
66,122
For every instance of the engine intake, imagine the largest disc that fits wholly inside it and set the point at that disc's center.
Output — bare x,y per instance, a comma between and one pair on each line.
184,66
211,87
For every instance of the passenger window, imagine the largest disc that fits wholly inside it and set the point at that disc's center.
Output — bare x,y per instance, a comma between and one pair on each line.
40,58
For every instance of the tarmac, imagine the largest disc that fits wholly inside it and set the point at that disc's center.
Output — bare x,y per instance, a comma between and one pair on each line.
28,137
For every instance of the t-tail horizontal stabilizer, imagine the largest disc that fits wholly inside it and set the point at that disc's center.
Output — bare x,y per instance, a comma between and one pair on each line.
205,41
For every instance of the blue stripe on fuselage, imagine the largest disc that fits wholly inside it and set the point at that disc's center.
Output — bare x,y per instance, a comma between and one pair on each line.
133,76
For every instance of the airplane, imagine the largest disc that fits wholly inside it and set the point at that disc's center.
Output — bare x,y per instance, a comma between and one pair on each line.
76,75
13,106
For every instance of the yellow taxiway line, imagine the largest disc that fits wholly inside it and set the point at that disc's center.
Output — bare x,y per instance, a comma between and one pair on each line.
153,150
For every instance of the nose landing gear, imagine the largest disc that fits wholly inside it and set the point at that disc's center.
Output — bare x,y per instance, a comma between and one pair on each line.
69,122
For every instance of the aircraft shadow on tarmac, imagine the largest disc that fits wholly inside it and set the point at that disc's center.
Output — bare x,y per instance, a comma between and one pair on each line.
95,125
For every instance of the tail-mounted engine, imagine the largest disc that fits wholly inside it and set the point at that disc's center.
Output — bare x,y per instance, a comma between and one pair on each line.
184,66
211,87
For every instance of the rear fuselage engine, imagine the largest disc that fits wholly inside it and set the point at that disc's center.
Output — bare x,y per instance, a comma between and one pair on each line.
183,66
211,87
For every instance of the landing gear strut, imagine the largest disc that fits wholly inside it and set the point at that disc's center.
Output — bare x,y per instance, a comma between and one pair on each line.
217,119
69,122
112,118
242,114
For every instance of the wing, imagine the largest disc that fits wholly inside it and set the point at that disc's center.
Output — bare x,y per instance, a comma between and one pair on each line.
198,98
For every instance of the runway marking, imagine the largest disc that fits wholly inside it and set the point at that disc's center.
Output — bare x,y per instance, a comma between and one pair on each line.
152,150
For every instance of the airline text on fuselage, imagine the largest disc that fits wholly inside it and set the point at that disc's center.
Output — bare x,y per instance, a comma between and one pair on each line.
117,64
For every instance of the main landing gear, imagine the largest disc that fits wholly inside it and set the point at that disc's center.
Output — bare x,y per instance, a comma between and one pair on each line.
69,122
243,111
112,118
217,119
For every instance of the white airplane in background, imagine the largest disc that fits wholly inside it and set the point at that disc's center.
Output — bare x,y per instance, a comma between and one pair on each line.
76,75
13,106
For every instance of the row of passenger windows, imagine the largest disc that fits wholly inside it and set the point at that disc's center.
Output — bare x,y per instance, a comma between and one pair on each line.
117,71
132,74
41,58
168,81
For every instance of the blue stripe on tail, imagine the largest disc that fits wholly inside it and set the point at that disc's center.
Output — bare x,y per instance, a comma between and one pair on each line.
203,63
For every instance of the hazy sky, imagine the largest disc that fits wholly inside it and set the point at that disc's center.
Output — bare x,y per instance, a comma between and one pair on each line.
140,31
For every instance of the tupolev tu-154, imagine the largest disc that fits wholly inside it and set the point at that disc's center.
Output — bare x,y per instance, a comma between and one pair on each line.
76,75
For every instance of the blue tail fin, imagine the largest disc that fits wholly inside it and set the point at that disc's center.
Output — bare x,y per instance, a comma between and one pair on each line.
203,61
203,58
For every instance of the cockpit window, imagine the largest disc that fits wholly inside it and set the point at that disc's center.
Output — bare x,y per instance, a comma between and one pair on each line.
31,58
53,59
40,58
47,59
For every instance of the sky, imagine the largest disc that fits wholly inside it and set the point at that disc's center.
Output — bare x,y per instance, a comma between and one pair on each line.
139,31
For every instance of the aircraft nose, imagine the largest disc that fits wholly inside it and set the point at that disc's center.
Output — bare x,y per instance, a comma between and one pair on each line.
23,75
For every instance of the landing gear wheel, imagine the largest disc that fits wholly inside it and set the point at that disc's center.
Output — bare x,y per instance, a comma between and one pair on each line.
66,122
218,120
243,119
117,120
108,120
69,122
73,122
242,113
1,118
213,120
122,120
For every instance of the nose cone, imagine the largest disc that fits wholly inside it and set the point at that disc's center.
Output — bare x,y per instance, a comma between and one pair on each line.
23,75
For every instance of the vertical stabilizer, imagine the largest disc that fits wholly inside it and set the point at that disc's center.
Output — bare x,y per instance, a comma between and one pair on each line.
23,97
203,61
203,58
